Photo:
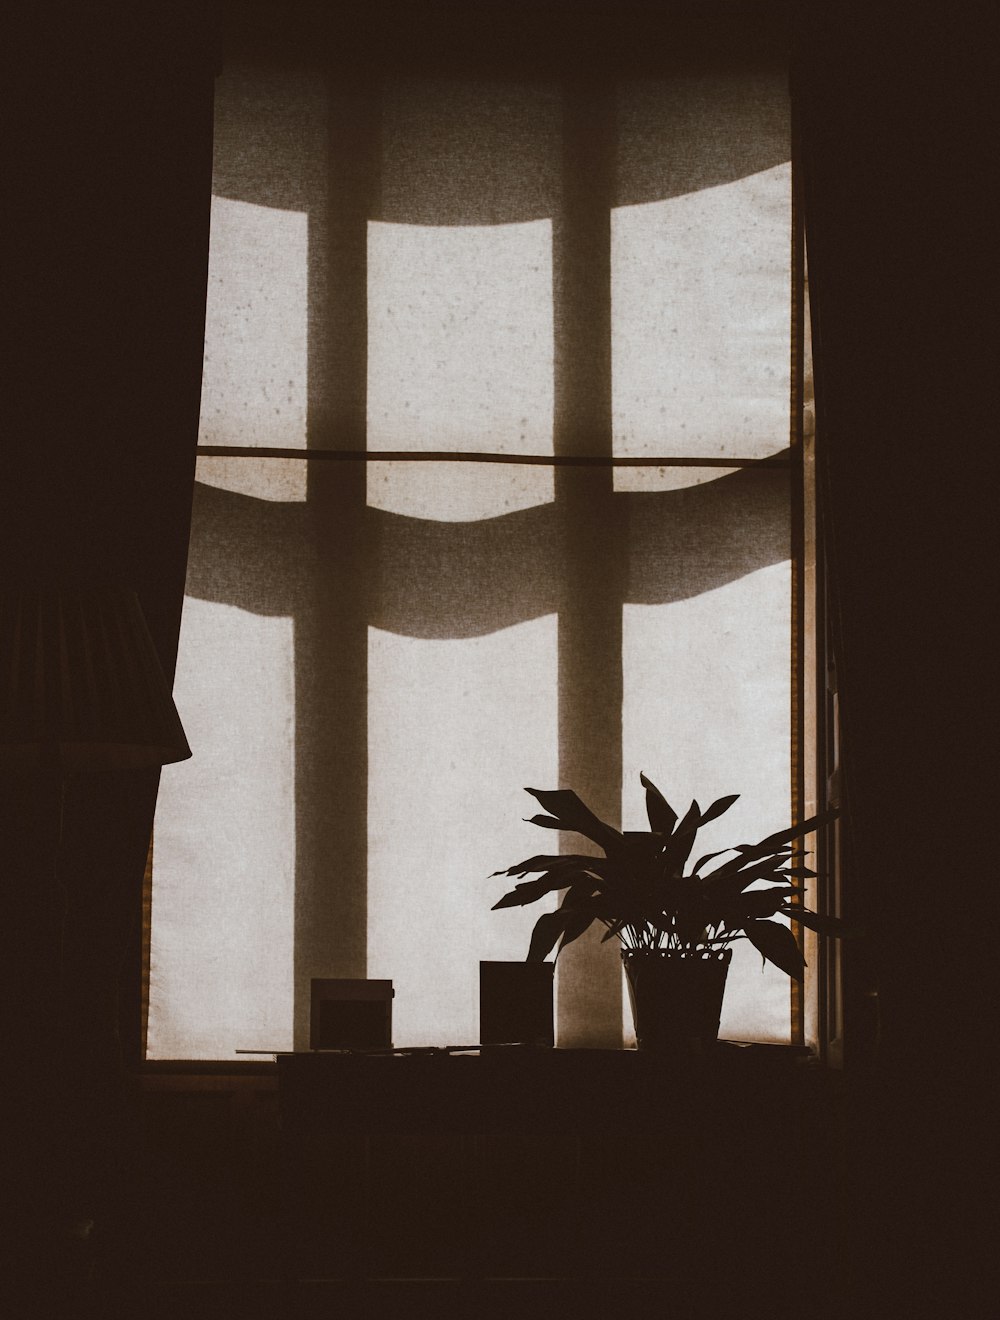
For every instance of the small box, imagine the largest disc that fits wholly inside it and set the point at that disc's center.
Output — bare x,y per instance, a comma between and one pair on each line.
350,1014
515,1003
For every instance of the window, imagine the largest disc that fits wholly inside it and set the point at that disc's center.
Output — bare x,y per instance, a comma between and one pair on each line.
499,484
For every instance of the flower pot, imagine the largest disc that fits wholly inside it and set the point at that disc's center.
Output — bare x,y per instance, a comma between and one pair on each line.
676,998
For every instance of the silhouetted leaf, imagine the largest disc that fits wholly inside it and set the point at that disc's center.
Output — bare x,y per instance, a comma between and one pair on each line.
532,890
679,845
564,926
694,870
577,921
751,852
578,894
718,807
662,817
544,862
615,928
570,813
821,923
641,845
691,927
774,841
549,822
760,903
723,886
777,944
515,898
546,932
691,819
730,908
639,865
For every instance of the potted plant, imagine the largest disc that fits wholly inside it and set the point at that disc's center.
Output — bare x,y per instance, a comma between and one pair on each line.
676,922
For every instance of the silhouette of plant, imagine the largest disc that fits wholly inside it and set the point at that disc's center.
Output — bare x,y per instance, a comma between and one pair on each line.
640,891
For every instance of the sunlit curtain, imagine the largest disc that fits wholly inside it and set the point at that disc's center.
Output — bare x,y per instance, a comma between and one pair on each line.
385,637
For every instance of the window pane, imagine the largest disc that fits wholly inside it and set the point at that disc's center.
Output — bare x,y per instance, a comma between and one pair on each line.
265,266
221,945
460,693
460,357
254,378
701,269
460,340
707,698
456,728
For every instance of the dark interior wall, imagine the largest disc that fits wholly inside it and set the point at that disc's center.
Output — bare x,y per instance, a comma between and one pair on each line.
108,140
892,108
890,119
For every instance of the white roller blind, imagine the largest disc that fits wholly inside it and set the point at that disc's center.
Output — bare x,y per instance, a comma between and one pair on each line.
377,654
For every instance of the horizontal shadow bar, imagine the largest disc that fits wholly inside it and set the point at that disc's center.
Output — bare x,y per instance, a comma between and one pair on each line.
786,458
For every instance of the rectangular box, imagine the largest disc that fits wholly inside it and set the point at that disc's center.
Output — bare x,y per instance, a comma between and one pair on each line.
350,1014
515,1003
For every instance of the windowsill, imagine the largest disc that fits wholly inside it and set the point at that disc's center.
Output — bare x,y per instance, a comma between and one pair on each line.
261,1074
206,1075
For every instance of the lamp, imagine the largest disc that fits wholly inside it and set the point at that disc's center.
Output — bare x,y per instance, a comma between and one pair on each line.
81,686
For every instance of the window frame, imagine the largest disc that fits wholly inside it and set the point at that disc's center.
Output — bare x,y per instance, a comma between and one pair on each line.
807,725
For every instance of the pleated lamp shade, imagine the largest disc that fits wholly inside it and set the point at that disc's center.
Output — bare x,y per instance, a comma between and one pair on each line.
81,686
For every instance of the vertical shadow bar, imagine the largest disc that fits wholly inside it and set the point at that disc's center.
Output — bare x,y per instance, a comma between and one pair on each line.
331,637
590,607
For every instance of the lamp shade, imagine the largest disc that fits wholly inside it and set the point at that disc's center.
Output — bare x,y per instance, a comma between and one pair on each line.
81,686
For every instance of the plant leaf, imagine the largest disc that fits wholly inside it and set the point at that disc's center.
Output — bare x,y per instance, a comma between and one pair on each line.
578,920
614,929
694,870
758,903
680,843
774,841
543,862
718,807
579,894
691,819
547,930
662,817
516,897
569,813
564,926
723,887
777,944
532,890
819,922
641,845
774,846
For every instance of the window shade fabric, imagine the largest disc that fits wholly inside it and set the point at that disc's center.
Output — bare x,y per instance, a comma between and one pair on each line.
377,655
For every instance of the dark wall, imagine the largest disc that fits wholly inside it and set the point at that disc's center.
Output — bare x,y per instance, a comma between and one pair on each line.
892,111
890,121
108,131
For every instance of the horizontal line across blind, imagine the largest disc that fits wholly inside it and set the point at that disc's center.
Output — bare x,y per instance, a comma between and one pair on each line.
782,460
